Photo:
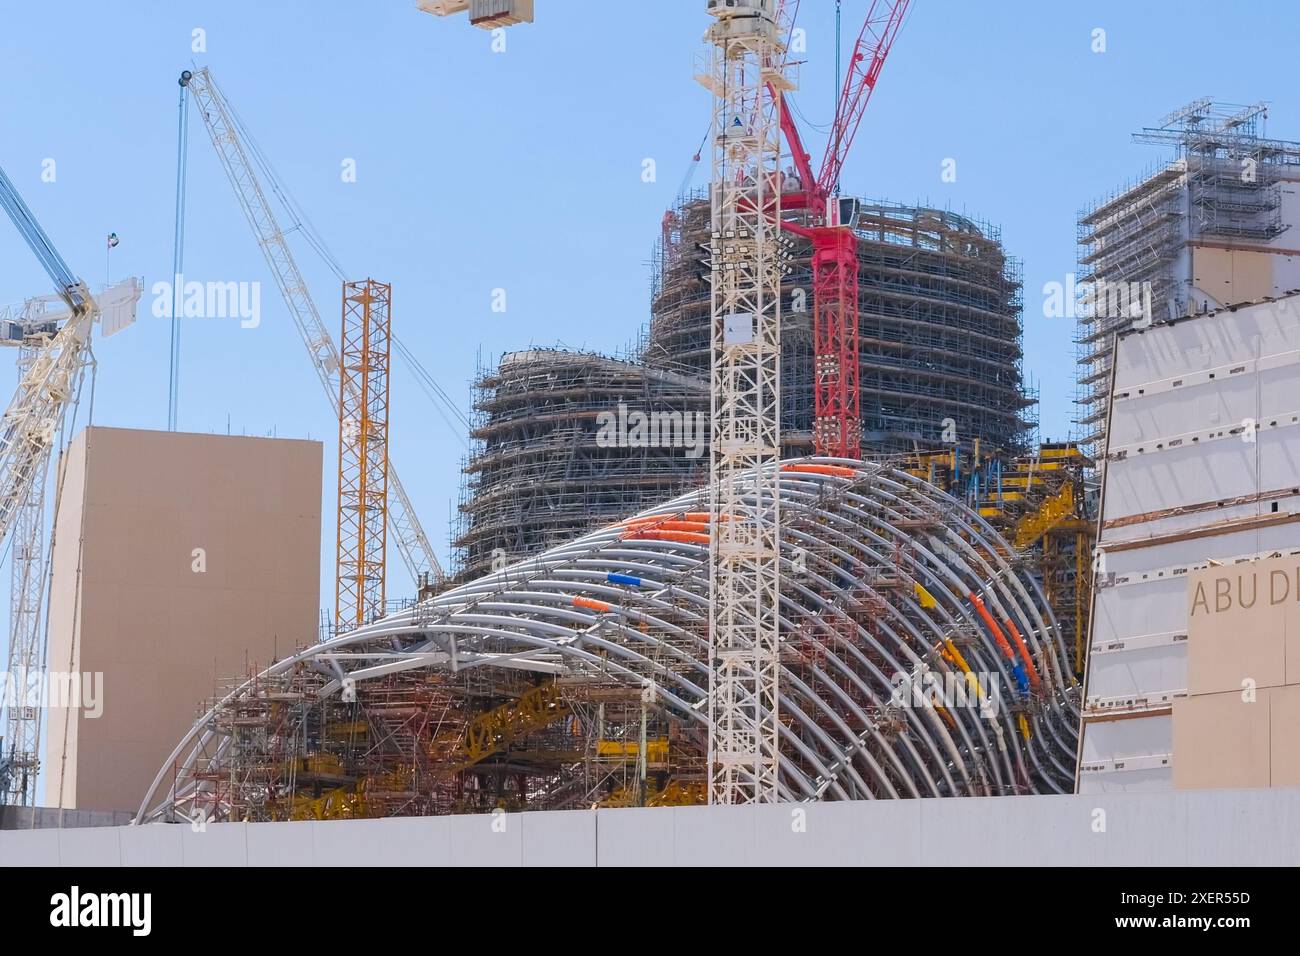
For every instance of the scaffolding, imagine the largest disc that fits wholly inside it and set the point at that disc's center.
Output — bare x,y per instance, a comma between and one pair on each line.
1222,189
558,451
939,307
295,753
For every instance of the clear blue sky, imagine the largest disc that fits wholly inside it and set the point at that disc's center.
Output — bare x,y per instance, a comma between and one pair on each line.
522,170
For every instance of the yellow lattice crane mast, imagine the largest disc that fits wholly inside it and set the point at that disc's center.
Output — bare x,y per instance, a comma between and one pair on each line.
363,453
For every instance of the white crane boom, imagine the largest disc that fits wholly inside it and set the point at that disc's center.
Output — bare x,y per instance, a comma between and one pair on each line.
31,422
222,129
29,428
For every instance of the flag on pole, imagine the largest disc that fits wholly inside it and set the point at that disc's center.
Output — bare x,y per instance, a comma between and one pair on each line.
112,239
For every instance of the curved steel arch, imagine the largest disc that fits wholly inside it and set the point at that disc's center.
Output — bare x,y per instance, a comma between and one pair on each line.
892,592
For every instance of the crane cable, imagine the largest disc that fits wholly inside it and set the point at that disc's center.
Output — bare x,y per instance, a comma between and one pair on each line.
81,550
178,261
689,177
838,43
301,223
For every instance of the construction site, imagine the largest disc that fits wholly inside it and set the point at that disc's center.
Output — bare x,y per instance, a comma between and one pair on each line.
542,474
800,541
1197,233
594,594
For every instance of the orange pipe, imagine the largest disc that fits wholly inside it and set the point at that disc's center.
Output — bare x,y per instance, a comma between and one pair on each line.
650,534
992,626
676,526
839,471
646,520
590,604
1024,652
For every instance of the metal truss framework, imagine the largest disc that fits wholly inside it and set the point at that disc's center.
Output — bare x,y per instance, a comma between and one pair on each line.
26,595
745,574
51,373
363,453
885,580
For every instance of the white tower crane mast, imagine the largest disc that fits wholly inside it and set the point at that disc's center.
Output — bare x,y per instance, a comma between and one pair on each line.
47,385
21,737
223,130
746,260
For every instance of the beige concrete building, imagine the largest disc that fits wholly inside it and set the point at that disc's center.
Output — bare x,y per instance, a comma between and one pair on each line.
179,561
1239,725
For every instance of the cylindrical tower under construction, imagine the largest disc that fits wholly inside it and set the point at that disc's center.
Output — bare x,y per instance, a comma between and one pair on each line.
566,441
939,324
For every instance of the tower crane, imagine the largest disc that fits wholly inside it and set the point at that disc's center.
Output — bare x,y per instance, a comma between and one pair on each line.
236,159
359,580
55,350
30,332
746,254
837,428
749,83
36,410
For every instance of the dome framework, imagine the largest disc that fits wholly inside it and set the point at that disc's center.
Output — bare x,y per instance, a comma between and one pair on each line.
918,659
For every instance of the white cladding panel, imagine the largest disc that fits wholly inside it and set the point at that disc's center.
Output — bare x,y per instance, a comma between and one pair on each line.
1204,432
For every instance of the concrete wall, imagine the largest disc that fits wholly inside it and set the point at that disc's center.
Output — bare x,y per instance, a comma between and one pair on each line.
1228,276
1219,827
129,601
1239,722
1226,273
29,818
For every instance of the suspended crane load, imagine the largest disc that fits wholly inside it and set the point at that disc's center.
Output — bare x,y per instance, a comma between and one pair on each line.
484,14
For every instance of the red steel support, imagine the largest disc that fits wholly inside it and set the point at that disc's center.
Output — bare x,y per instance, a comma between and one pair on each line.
837,427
